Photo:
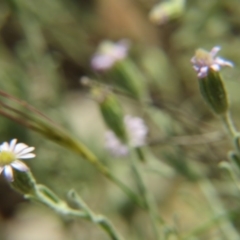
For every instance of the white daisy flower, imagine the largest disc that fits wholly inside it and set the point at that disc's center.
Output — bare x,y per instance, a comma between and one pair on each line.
10,153
108,54
137,132
204,60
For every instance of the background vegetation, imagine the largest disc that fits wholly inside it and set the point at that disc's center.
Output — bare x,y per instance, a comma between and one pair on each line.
45,49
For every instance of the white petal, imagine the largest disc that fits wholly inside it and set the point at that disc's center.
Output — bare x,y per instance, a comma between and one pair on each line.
216,67
19,166
223,62
228,64
4,146
26,150
12,144
1,169
26,156
19,147
8,173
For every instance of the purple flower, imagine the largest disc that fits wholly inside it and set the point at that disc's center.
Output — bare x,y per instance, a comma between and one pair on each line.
114,145
108,54
10,153
204,60
137,132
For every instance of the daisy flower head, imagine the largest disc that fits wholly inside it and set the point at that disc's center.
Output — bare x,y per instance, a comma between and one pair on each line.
203,60
10,155
137,132
108,54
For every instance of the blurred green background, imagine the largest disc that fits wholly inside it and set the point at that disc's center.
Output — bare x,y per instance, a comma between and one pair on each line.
46,47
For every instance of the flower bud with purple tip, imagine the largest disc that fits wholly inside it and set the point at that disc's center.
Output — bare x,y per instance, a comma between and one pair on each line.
212,88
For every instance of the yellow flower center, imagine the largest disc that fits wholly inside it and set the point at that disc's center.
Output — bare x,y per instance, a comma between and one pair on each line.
202,55
6,158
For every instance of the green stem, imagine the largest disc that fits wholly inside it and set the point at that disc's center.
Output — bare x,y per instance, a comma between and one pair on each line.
229,125
148,198
98,219
232,173
212,197
210,223
89,156
48,198
235,135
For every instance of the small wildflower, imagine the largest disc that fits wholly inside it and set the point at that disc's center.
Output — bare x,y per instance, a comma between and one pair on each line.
114,145
10,153
204,60
137,132
108,54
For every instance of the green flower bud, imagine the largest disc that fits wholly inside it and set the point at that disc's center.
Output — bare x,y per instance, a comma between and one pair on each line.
166,11
111,111
213,92
24,182
129,78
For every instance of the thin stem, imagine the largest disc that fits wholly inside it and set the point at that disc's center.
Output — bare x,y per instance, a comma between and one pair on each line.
210,223
229,125
231,172
26,105
235,135
99,219
190,139
63,209
148,198
212,197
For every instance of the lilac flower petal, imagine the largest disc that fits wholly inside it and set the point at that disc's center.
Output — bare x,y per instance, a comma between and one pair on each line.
203,72
102,62
122,152
137,130
215,51
8,173
20,166
120,50
204,60
223,62
108,54
193,60
114,145
196,68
